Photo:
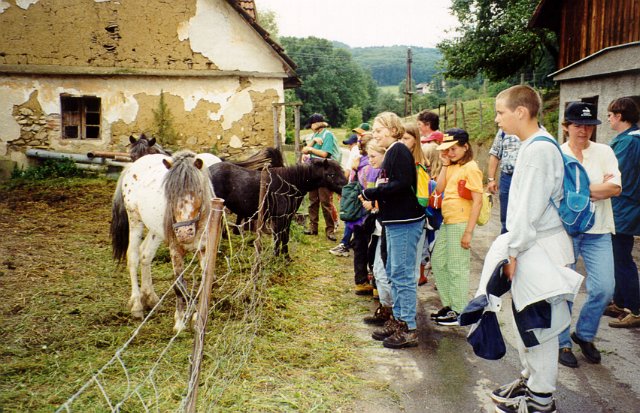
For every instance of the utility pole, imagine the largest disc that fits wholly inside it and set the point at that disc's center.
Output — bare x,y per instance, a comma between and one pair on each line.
408,89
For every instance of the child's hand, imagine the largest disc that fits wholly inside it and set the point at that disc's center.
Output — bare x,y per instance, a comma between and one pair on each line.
465,242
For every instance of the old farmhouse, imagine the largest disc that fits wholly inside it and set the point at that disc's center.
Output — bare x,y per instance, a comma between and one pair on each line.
83,75
599,55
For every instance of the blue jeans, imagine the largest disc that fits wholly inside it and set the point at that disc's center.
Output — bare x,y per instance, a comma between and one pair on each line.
346,238
627,291
597,253
382,281
402,248
505,185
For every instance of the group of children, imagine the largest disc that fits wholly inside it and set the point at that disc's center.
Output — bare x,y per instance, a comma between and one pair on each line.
392,242
395,243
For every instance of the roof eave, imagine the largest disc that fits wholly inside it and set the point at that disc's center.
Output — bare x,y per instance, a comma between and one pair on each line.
293,80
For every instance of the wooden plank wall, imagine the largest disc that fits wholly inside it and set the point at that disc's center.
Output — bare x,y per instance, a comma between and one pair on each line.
588,26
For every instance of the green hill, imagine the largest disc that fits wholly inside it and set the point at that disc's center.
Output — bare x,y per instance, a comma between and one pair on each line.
388,65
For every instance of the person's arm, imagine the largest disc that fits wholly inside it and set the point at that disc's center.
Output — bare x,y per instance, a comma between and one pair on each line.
313,151
492,186
441,181
611,182
604,190
541,171
476,198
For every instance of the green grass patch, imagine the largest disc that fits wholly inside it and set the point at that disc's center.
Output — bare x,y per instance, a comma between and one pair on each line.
277,339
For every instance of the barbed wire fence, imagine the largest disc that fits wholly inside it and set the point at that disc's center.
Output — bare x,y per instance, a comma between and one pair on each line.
134,380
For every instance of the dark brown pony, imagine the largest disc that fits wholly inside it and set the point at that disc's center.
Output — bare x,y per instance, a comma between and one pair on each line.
286,188
144,146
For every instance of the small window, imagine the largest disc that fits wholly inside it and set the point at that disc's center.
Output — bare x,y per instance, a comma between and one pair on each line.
80,117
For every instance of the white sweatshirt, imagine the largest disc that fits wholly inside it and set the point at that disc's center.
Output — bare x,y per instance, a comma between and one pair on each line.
537,178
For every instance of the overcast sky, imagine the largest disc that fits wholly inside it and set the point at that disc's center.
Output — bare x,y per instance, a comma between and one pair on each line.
362,23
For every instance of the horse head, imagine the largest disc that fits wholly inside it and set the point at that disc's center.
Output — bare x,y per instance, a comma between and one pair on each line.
332,174
188,192
144,146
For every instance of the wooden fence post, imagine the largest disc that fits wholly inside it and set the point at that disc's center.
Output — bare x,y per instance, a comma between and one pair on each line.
464,123
455,113
200,327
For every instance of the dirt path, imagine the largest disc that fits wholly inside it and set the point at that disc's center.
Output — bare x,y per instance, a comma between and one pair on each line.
442,375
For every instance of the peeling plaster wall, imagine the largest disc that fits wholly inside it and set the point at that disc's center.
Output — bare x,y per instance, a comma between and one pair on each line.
153,34
139,41
229,114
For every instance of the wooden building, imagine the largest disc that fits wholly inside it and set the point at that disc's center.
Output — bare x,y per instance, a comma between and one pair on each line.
82,75
599,51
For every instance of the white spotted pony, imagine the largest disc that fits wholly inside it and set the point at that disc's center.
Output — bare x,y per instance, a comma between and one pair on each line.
170,196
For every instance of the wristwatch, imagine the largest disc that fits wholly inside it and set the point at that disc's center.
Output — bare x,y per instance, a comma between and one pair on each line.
491,179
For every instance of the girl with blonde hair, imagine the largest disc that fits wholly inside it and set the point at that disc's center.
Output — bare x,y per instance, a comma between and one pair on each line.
403,220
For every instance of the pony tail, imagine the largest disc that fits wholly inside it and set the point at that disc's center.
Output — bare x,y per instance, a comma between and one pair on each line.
119,229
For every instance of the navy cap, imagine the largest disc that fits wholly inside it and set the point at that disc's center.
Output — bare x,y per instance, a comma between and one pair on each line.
351,139
315,118
581,113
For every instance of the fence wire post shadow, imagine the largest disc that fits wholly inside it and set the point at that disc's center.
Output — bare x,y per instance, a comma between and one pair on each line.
200,325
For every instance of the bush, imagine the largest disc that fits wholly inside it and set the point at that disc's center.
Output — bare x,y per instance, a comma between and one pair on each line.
50,168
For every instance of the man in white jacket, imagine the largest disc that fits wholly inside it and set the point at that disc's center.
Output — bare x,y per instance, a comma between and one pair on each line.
533,221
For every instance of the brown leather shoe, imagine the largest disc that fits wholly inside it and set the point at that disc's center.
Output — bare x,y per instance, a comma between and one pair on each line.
379,317
387,330
612,310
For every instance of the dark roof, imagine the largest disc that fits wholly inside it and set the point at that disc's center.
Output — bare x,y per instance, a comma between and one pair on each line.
247,9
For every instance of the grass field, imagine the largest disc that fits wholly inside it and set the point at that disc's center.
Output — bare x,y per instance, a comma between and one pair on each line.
275,343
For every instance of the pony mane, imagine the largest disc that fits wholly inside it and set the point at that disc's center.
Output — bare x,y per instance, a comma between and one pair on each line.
183,179
271,157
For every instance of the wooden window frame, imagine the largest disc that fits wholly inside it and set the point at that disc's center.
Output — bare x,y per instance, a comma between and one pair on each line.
80,117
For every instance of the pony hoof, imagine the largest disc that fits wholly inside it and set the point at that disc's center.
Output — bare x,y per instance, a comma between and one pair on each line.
138,314
178,327
150,301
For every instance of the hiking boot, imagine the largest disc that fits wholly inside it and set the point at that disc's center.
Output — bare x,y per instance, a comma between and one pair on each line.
629,321
450,319
364,289
403,337
441,312
526,404
387,330
379,317
612,310
566,358
589,351
340,250
509,392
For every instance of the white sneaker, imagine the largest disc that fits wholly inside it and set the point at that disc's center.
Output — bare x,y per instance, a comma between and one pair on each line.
340,250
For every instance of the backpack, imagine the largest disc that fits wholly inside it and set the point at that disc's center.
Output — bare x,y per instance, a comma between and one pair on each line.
485,211
351,208
576,209
422,190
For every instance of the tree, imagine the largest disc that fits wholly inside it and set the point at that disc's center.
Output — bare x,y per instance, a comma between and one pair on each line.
495,39
331,81
267,19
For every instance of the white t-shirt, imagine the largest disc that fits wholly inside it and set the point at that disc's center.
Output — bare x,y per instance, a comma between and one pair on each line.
599,160
354,153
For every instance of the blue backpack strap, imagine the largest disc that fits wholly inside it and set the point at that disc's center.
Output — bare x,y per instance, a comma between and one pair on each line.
555,143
